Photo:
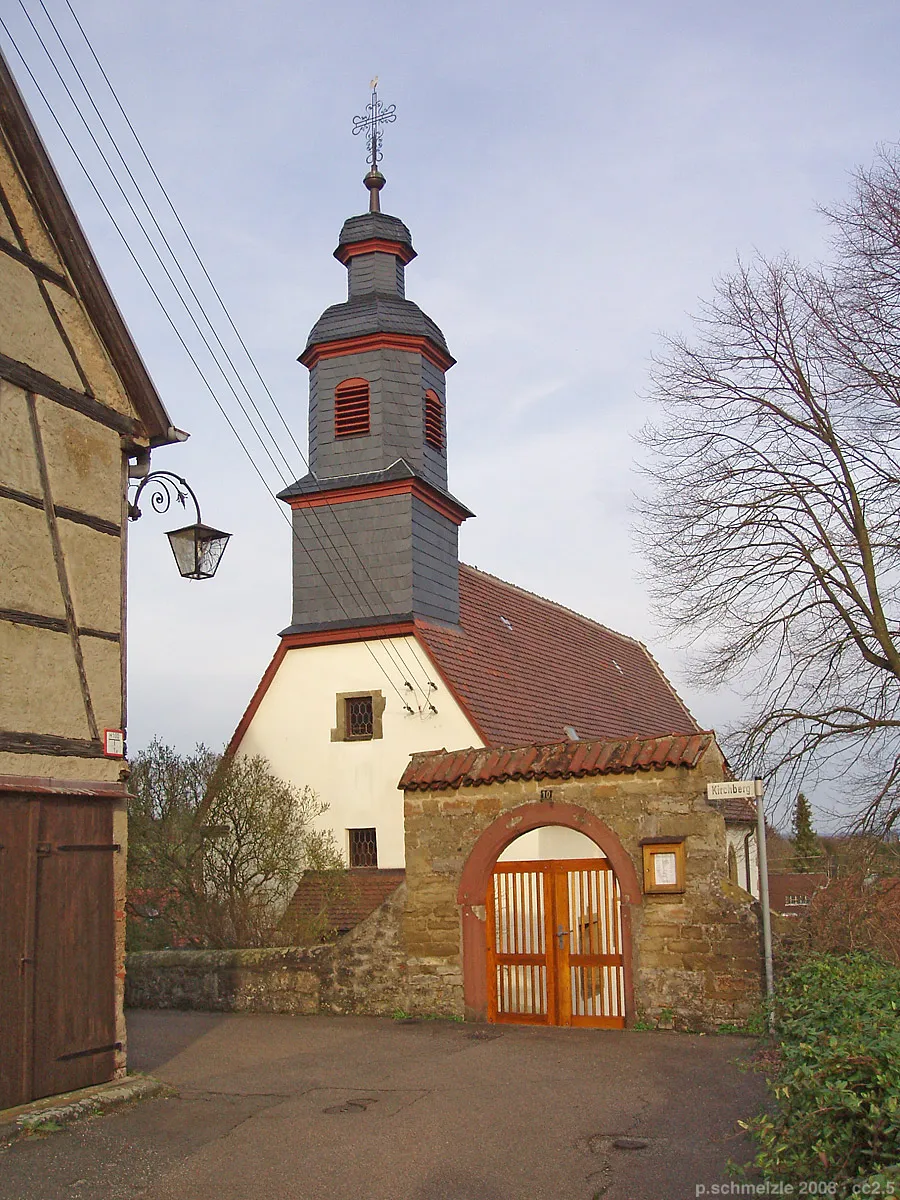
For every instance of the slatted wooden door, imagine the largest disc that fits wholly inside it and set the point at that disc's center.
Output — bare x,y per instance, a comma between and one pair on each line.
554,931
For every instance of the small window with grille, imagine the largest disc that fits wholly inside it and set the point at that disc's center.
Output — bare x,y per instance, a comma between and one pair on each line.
363,848
351,408
360,717
434,420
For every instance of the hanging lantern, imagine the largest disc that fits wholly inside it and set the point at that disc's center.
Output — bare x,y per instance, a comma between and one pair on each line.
198,550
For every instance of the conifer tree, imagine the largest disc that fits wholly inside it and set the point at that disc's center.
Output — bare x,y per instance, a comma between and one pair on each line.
807,850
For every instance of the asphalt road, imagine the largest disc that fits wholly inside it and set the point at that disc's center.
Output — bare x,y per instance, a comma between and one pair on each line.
320,1108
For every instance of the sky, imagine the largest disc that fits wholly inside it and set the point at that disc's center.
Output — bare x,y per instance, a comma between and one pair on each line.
575,176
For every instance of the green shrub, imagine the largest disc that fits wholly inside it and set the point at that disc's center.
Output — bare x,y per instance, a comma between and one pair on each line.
836,1089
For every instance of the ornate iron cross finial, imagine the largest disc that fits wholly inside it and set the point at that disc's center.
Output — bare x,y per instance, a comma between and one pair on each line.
376,116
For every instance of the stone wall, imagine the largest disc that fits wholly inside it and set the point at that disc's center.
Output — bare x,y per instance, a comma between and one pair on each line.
366,971
696,957
278,980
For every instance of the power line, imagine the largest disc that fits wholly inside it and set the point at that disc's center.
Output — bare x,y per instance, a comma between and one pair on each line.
153,248
178,334
337,560
215,291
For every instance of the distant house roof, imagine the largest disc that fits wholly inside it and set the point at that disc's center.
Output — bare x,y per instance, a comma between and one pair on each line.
442,769
525,668
362,891
792,890
735,810
72,246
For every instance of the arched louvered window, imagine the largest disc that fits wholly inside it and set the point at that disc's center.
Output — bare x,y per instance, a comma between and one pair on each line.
351,408
434,420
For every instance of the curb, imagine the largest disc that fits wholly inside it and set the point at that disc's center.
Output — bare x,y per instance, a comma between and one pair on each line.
45,1116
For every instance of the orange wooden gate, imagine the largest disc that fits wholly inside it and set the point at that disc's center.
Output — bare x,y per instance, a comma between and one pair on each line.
554,933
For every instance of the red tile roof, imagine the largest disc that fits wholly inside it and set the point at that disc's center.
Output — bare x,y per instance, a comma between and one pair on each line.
783,885
735,810
439,769
364,890
525,668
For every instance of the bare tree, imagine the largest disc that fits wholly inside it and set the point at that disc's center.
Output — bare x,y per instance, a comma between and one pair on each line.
217,846
772,527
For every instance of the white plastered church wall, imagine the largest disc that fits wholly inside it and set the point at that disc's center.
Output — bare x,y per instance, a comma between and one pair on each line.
742,839
357,779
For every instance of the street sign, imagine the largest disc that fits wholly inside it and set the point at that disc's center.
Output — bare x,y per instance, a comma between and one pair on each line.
739,789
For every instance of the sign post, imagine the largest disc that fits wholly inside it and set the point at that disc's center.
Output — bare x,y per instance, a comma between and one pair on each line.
762,860
754,789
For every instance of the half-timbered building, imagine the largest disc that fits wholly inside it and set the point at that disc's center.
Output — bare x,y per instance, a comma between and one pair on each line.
76,403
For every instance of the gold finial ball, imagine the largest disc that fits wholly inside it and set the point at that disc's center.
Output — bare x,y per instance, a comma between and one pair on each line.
374,181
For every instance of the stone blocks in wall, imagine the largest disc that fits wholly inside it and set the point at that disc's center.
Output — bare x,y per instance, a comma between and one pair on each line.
277,980
366,971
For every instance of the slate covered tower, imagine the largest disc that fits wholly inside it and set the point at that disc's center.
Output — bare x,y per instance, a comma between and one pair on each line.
375,527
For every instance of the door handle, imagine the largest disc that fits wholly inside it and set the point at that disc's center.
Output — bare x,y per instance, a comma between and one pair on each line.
561,933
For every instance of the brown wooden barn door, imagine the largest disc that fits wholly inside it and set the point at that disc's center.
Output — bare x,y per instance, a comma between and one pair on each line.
554,932
74,991
57,947
18,869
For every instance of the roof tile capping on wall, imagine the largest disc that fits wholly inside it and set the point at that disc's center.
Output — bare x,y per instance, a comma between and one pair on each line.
562,760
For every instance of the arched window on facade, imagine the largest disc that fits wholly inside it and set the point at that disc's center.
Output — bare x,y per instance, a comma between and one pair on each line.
434,420
351,408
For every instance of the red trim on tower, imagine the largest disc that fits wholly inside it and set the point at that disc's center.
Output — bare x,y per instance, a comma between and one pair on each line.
375,246
390,487
357,633
378,341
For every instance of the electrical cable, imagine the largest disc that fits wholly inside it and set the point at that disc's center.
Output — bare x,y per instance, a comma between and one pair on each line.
392,650
284,478
178,334
201,264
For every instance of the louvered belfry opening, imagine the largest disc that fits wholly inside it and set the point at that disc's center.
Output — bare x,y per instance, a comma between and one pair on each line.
434,420
351,408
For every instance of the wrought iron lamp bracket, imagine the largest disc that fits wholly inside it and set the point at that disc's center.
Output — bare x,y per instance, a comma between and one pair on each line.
167,487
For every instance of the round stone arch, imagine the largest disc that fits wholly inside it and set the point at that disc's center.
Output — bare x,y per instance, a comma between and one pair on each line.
477,873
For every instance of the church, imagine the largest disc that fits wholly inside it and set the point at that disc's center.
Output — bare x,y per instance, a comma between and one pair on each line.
394,645
518,791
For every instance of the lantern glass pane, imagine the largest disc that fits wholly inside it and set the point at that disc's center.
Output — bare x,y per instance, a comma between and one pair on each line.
209,552
198,550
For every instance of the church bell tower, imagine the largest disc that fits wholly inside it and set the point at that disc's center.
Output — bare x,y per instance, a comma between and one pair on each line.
375,529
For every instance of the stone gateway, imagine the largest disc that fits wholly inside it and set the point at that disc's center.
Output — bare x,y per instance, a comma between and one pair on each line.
690,954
